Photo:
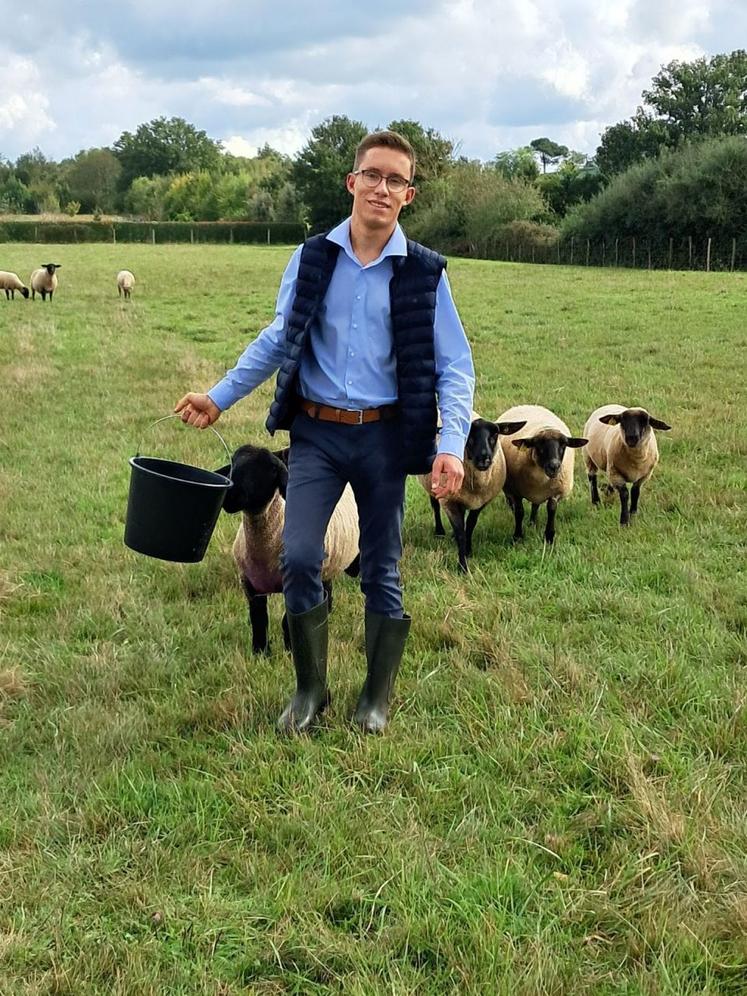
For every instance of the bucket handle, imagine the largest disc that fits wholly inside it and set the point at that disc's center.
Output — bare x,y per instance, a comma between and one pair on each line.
228,452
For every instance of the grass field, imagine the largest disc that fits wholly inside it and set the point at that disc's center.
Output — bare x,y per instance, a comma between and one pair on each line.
559,804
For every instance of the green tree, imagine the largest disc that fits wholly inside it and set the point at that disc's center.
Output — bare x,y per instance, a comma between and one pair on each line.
321,167
146,197
164,146
518,163
92,179
686,101
549,152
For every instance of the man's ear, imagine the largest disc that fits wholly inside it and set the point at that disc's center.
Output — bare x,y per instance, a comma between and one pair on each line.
409,195
610,419
350,183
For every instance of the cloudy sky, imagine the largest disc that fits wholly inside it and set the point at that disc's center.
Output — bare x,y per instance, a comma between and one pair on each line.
488,75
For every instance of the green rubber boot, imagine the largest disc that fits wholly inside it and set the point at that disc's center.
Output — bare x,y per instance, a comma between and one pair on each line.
308,638
385,644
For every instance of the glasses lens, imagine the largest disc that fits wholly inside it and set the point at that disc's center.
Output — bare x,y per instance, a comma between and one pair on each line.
395,183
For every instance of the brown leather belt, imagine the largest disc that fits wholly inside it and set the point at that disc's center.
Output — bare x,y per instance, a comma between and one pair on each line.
326,413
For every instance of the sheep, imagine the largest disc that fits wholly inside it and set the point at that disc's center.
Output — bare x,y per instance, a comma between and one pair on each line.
260,478
623,445
484,474
10,283
539,465
44,280
125,283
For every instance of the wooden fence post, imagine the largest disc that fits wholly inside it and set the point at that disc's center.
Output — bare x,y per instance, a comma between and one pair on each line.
604,250
671,241
649,254
192,236
616,252
690,252
708,256
571,250
114,235
634,250
268,236
152,235
558,250
733,253
588,246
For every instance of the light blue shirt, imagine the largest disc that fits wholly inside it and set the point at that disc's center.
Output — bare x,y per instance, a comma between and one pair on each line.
351,361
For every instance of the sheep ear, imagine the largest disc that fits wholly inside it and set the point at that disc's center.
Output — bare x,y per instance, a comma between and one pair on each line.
610,419
282,478
526,444
509,428
657,423
575,442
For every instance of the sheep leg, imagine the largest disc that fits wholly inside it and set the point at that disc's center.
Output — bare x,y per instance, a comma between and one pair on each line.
119,292
595,500
552,504
455,514
44,295
7,294
472,518
622,490
258,618
436,506
533,516
634,494
517,504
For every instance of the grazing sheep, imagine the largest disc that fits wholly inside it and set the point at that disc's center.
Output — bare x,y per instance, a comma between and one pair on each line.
44,280
259,480
484,474
125,283
10,283
539,465
623,445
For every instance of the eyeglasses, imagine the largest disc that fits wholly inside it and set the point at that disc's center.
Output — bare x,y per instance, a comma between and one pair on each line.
372,178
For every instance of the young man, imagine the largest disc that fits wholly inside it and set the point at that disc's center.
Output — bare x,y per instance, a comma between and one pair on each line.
367,339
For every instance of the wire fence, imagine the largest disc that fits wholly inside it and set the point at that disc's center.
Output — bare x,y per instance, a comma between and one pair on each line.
688,253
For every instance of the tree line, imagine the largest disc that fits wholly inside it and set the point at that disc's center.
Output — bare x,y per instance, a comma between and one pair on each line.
679,163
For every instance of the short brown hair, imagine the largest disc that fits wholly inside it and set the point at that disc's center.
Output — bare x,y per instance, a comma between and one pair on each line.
390,140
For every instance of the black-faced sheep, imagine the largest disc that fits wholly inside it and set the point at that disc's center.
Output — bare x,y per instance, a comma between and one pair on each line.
125,283
44,280
622,444
484,476
539,465
10,283
260,478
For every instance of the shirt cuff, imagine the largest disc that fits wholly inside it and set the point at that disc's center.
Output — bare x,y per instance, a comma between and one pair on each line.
451,443
222,396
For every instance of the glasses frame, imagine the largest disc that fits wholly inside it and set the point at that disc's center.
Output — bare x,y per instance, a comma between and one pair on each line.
382,176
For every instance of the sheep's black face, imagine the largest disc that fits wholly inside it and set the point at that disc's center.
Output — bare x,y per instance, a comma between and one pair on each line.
25,291
481,443
257,474
635,425
549,452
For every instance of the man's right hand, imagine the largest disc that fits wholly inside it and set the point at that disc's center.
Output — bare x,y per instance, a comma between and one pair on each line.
198,410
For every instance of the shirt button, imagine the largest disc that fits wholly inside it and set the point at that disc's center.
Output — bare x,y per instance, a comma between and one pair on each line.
357,297
355,325
350,383
352,353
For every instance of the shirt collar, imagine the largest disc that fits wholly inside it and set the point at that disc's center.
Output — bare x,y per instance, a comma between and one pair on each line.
396,246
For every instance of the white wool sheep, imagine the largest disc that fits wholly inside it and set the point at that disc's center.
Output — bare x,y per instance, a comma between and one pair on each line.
539,464
622,445
10,283
125,283
44,280
258,492
484,476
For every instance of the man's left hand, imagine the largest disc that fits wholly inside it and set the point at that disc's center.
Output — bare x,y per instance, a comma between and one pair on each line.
447,475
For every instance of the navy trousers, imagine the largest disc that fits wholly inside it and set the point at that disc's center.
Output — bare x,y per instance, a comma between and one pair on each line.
324,457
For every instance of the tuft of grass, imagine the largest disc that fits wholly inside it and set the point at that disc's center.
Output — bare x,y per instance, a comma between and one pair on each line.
558,805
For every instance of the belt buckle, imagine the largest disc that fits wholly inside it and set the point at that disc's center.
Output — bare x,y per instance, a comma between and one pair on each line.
359,413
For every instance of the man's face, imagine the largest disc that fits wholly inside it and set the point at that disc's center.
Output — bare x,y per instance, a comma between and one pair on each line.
379,207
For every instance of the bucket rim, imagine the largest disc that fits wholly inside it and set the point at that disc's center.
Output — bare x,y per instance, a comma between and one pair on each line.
227,482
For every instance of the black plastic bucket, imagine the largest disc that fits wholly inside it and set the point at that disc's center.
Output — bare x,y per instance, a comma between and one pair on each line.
172,507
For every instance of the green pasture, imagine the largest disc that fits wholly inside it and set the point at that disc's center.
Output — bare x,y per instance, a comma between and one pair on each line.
559,804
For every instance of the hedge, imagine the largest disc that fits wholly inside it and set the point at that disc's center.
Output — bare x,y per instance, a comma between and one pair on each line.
274,233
